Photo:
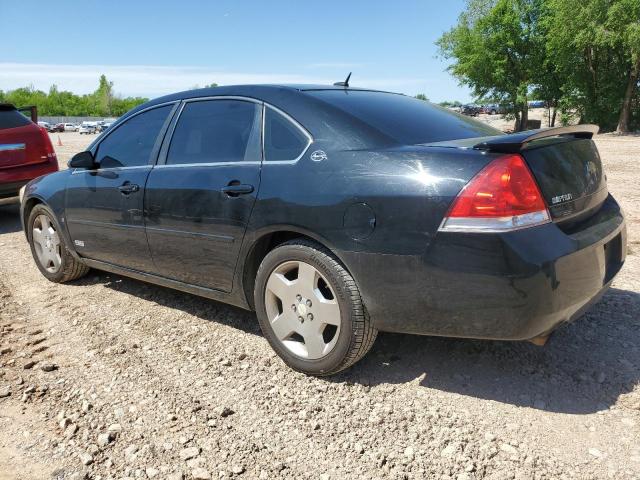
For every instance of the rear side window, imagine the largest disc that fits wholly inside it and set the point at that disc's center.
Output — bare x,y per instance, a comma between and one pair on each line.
131,144
214,131
407,120
282,139
12,119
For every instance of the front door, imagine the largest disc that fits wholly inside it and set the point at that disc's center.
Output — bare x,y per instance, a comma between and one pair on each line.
198,202
104,206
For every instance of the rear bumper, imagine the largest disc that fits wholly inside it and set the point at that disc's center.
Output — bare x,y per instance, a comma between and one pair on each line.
14,178
11,189
511,286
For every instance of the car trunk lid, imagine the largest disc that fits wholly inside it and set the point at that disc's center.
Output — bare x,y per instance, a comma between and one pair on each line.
570,175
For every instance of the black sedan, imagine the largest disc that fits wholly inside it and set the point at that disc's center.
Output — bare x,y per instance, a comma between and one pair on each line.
335,213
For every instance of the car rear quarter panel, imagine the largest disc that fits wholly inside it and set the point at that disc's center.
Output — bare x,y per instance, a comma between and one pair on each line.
399,197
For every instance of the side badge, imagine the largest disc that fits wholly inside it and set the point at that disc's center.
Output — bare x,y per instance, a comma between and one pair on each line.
318,156
79,243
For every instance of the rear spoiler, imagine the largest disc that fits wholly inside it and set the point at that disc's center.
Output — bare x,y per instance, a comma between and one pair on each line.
515,142
31,109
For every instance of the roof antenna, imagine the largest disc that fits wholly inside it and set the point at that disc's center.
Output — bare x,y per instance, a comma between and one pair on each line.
344,84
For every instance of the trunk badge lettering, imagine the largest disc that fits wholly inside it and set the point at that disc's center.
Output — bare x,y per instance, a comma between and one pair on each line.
562,198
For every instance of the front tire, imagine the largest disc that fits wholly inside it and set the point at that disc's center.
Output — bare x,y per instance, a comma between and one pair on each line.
310,309
49,249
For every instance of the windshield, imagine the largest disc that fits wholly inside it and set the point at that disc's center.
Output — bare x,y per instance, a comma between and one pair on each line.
406,119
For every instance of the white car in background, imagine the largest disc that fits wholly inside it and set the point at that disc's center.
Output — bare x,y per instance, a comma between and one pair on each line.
70,127
87,128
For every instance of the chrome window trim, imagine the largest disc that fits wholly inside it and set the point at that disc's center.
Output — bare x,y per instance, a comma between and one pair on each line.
169,134
207,164
295,123
223,97
110,169
165,151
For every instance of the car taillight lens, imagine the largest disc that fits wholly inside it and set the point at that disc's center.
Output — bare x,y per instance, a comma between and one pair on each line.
503,196
48,152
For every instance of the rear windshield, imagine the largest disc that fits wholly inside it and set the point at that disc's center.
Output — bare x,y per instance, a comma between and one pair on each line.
12,119
407,120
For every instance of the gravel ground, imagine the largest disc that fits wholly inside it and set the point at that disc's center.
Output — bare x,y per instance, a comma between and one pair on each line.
111,378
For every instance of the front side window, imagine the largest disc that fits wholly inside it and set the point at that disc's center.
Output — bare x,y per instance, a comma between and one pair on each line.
214,131
282,139
131,144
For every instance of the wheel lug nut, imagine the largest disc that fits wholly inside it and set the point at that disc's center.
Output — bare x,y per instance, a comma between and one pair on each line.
308,303
298,297
310,316
301,319
293,307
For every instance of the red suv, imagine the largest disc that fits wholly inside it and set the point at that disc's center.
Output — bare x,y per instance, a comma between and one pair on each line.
25,151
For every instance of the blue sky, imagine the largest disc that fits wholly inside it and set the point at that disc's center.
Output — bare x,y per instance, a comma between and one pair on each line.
152,48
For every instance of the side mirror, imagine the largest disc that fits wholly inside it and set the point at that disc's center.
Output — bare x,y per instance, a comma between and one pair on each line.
83,160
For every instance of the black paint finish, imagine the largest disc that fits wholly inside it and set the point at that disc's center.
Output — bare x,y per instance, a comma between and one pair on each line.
373,201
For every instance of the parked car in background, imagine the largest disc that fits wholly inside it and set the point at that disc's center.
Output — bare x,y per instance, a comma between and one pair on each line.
70,127
25,151
337,212
105,124
87,128
47,126
537,104
491,109
58,127
470,109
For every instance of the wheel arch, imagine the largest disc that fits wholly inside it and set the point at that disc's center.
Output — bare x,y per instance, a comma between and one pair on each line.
26,208
265,242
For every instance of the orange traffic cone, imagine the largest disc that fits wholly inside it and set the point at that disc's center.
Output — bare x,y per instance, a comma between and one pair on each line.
59,142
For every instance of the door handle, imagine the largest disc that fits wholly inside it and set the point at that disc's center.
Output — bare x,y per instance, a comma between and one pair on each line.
235,188
126,188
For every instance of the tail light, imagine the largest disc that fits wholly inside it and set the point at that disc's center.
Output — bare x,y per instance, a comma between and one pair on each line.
503,196
48,152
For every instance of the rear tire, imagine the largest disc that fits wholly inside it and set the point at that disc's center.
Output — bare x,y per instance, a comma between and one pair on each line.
302,280
49,248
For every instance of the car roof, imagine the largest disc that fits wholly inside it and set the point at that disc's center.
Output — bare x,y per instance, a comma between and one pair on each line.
319,117
260,91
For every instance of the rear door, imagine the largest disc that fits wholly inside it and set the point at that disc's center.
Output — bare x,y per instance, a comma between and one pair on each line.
199,200
104,206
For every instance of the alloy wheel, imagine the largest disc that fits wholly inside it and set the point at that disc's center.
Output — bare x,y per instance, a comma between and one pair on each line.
303,310
46,242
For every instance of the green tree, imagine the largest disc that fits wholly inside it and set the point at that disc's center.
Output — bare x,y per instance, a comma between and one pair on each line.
422,96
496,48
104,96
596,45
103,102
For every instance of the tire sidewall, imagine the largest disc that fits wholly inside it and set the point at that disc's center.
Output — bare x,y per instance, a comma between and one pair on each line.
303,253
44,210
